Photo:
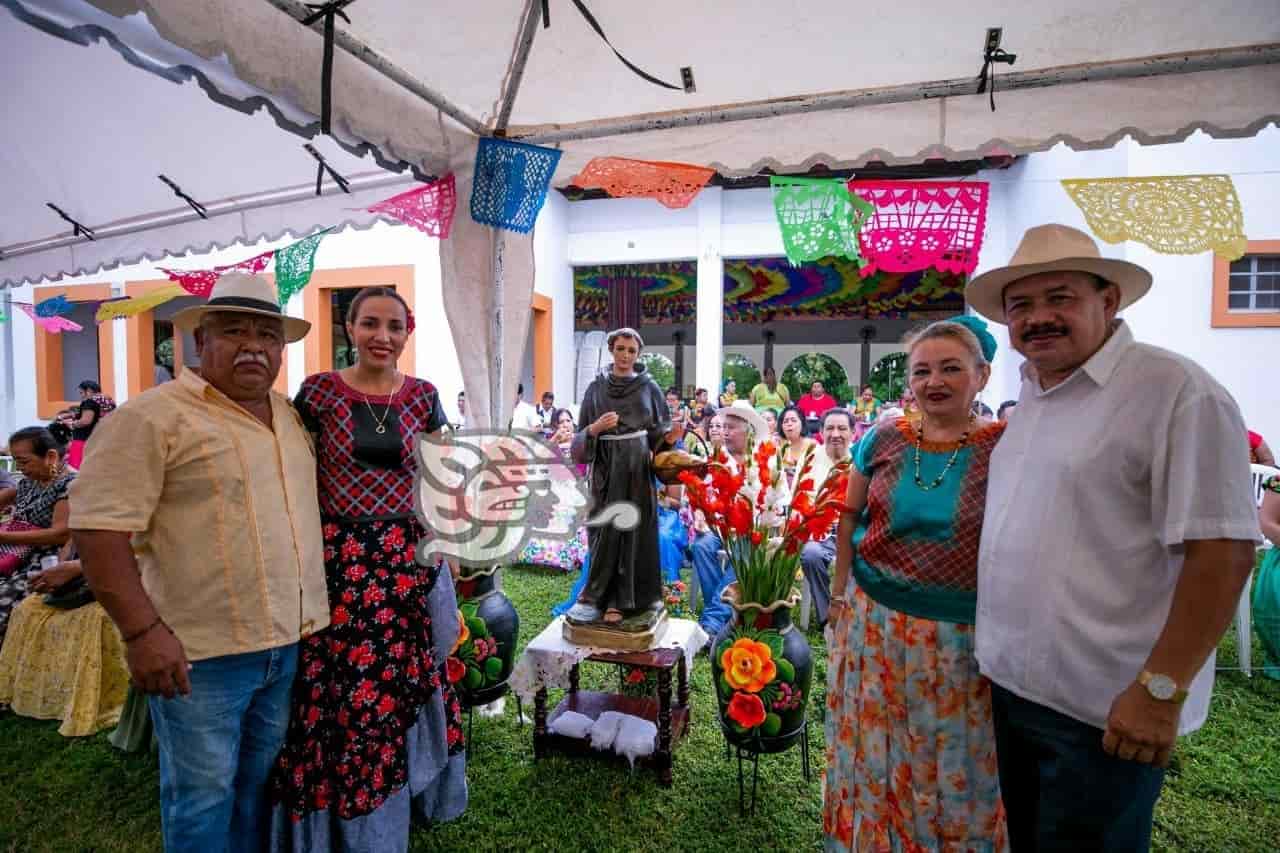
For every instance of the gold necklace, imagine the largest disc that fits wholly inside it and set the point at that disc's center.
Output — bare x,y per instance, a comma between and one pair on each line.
955,454
381,422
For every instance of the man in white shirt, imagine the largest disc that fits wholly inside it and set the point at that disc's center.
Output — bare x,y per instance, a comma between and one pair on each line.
817,556
525,416
545,409
1119,533
461,423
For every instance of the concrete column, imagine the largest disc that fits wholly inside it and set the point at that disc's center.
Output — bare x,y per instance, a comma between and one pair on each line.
678,359
710,301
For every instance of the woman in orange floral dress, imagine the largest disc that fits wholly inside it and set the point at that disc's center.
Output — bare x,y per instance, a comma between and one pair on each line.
911,757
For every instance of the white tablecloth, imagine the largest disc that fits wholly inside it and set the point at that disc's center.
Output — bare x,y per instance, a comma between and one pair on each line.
547,660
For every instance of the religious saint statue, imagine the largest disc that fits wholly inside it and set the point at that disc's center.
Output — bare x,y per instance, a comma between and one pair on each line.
626,421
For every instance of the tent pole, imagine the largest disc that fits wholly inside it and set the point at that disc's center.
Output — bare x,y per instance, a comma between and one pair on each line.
1125,69
497,405
529,28
370,57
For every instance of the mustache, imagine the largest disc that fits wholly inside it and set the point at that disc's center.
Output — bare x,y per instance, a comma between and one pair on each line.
1045,329
251,358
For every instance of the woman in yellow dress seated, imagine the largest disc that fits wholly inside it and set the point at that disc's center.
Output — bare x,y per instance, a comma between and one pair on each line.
63,662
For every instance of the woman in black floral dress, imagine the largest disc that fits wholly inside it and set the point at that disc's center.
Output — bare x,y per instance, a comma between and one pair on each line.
375,736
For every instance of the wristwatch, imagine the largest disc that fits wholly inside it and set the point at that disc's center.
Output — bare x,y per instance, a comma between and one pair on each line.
1162,688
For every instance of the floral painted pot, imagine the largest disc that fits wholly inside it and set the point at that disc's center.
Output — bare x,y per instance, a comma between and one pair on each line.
482,658
763,669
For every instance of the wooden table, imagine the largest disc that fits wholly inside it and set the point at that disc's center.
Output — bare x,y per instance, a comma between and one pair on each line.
673,721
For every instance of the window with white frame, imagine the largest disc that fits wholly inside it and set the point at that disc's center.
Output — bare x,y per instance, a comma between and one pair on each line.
1254,284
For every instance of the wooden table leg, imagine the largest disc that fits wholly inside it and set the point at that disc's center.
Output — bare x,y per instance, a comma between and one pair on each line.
682,683
573,679
539,722
662,756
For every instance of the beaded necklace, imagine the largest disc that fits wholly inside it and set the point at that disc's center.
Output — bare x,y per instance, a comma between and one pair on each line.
955,454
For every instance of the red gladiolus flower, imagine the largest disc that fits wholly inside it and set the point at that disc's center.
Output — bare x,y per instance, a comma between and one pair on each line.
746,710
740,517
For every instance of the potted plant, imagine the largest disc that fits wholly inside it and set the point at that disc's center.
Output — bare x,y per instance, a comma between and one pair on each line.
762,666
484,654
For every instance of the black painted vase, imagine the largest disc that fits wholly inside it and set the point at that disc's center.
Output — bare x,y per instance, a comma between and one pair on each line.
481,662
763,671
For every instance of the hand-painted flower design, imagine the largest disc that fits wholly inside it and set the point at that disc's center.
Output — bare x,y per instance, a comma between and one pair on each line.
454,670
746,710
748,665
464,633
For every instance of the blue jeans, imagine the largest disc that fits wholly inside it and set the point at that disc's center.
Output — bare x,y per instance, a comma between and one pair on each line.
217,746
704,553
1061,791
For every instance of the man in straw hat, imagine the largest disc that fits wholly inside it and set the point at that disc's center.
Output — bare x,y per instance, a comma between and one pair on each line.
1118,535
197,521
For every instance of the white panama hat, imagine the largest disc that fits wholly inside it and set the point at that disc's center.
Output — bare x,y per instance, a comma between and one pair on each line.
1054,248
242,293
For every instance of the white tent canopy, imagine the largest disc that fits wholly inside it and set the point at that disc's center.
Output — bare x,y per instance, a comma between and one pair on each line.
90,134
403,69
783,86
462,55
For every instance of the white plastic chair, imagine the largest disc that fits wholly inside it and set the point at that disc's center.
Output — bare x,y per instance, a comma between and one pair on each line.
1244,620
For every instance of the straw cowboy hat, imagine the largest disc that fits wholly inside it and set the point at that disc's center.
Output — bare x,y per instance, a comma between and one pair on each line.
744,410
242,293
1054,248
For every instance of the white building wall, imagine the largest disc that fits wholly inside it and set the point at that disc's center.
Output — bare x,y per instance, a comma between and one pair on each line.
553,278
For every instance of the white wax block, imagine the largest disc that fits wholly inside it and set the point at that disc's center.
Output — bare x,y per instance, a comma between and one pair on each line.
572,724
605,729
635,738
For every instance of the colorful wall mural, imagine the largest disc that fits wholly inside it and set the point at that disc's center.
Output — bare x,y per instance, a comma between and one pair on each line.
760,290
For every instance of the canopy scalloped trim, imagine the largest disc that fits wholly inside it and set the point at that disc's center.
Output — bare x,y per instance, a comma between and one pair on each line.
205,248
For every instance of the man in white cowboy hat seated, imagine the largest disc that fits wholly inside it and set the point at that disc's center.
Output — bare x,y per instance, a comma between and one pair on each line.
744,429
197,522
1119,532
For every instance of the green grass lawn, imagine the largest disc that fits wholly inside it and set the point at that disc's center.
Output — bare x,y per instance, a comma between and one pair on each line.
60,794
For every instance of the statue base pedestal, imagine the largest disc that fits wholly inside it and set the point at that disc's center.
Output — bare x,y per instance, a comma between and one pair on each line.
637,634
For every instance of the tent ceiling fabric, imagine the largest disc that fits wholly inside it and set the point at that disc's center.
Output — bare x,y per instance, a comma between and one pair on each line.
745,51
94,132
97,161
